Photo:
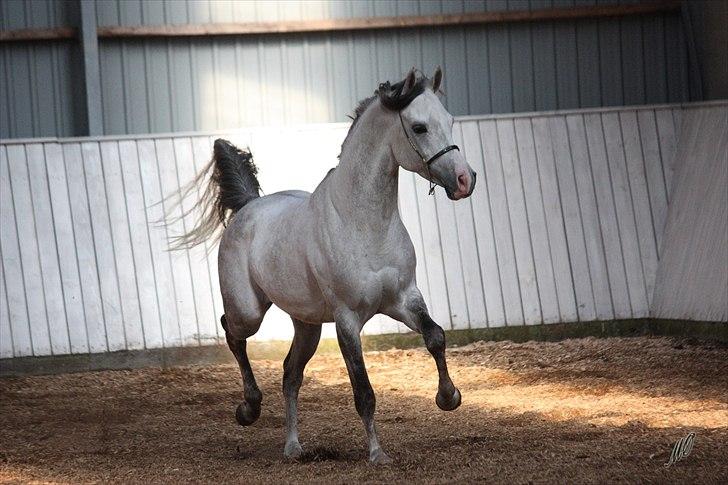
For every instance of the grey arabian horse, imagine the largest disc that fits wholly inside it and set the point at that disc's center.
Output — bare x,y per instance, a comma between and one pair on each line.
338,254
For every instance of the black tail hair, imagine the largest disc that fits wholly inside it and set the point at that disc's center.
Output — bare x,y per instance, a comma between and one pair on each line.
233,183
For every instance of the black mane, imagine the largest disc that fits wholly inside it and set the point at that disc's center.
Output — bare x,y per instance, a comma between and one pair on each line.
391,97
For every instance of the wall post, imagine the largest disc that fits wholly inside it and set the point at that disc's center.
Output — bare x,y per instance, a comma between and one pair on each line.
91,71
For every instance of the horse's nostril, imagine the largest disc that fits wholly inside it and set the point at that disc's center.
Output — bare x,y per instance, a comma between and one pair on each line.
463,182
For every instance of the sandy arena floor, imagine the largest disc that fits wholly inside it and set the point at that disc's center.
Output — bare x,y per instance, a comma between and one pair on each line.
588,410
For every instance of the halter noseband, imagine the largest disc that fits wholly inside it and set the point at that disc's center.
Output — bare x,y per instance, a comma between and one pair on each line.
426,161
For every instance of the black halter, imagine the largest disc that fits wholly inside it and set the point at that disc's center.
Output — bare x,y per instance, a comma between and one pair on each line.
426,161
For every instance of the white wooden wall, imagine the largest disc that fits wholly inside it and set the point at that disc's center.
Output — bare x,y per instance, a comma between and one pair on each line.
564,225
692,279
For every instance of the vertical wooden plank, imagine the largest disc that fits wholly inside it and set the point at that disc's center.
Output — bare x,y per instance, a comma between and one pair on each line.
29,257
66,247
653,169
202,292
590,217
602,180
470,261
84,247
625,215
501,224
410,218
668,138
47,252
104,244
140,245
451,259
554,217
439,309
22,343
545,280
6,335
519,221
692,277
483,221
122,247
640,196
182,277
161,259
202,152
572,219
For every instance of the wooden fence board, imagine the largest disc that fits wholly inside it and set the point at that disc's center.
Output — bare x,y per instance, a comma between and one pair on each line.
563,225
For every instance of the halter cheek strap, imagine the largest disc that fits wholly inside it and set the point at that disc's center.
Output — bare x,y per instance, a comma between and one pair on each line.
426,161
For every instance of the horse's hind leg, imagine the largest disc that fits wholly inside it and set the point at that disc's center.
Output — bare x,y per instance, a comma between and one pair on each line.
236,333
305,342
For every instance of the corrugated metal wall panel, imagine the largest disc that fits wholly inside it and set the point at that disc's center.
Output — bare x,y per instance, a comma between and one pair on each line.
564,226
37,80
162,85
220,83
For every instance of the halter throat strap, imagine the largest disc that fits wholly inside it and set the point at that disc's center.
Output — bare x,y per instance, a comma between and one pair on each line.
426,161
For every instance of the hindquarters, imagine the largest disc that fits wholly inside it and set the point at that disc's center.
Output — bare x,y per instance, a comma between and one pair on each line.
244,302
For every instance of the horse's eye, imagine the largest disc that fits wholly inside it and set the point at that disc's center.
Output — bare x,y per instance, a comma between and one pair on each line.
419,129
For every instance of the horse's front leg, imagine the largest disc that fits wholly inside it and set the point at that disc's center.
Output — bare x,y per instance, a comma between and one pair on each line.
412,311
348,327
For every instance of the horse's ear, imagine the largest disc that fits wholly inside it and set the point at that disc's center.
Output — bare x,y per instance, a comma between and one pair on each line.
437,79
409,81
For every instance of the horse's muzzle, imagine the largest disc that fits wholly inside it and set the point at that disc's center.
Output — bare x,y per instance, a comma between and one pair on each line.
465,182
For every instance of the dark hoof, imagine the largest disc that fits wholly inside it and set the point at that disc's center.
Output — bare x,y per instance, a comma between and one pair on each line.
448,403
246,414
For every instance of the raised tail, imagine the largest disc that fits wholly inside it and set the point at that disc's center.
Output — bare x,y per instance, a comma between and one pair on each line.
232,184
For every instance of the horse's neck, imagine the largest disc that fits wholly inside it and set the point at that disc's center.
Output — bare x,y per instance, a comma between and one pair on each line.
364,185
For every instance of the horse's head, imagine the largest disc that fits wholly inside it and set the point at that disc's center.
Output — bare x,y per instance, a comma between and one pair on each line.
423,141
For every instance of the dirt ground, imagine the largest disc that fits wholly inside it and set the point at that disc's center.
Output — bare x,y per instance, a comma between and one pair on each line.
587,410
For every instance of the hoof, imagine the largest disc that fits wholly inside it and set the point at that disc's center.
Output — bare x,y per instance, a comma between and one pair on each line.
246,415
293,450
379,458
448,404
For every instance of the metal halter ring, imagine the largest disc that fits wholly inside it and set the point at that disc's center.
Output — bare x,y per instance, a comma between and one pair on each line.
426,161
